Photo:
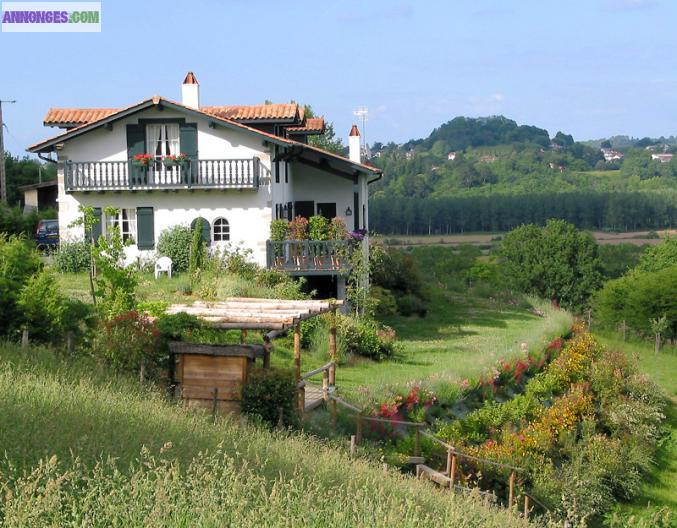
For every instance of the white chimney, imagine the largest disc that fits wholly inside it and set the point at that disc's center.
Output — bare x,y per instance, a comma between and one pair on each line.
190,91
354,148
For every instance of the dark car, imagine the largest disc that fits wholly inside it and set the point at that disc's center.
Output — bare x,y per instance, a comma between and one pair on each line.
47,234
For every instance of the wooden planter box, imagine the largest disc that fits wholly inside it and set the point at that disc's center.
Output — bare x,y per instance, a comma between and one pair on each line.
212,376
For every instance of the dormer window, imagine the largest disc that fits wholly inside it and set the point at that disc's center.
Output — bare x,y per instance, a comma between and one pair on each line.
163,140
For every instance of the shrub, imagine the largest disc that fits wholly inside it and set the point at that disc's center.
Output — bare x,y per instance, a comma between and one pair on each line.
365,337
386,304
279,230
72,257
128,342
270,394
408,304
43,307
337,229
318,228
19,261
175,244
298,228
198,250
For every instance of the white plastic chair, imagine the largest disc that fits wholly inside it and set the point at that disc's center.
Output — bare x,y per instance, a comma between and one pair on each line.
163,265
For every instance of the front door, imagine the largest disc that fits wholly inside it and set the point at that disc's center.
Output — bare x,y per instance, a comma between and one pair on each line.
328,210
304,209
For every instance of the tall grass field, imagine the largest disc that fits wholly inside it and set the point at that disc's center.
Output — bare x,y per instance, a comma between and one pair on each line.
83,447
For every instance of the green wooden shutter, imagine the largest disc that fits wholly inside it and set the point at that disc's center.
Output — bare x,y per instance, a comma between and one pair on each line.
96,228
145,228
136,144
188,146
206,229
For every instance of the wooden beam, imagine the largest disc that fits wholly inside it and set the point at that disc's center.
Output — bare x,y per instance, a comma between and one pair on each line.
297,365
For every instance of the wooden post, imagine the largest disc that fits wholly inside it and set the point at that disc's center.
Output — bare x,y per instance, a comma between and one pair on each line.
302,401
358,428
526,506
243,336
417,442
511,489
452,470
214,404
24,338
267,349
333,413
297,363
297,352
353,444
325,385
332,348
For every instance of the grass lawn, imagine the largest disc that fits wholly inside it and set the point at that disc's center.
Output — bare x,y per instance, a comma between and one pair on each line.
461,337
660,488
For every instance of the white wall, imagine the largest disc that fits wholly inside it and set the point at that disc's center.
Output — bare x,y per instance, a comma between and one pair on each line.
321,187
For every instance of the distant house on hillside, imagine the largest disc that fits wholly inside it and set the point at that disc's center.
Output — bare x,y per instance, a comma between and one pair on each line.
409,154
663,158
611,155
161,163
555,166
451,156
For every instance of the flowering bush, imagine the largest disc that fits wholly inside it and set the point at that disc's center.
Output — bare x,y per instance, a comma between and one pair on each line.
128,341
143,160
337,229
298,228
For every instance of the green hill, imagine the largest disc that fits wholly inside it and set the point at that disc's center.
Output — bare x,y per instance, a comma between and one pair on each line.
82,447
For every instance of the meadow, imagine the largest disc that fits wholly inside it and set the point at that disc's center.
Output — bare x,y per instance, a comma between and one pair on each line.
82,446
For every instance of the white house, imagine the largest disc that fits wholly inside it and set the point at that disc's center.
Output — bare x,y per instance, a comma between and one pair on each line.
244,166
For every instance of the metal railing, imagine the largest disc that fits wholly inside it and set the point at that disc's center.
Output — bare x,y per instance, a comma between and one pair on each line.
192,174
308,255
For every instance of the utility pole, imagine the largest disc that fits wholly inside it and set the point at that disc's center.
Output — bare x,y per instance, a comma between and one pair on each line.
3,177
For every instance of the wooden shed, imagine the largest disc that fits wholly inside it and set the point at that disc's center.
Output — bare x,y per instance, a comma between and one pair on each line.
212,376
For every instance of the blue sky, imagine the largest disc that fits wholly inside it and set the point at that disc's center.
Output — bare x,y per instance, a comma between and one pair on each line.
591,68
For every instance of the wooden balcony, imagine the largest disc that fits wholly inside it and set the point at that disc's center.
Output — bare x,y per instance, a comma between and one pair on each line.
194,174
308,257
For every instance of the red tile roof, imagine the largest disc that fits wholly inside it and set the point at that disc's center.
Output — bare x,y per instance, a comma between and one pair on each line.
254,112
76,116
312,124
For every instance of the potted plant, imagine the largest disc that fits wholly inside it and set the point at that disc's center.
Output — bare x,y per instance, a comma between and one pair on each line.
298,231
279,232
318,230
170,161
143,160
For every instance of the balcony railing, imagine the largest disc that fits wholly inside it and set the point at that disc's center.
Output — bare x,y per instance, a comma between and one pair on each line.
308,256
193,174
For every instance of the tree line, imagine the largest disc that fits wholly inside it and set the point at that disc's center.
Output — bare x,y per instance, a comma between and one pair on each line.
618,211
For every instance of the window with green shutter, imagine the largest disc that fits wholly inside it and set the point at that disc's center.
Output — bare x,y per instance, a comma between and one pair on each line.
136,144
145,227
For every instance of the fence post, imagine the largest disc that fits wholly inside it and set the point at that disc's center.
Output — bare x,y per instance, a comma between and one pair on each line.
526,506
332,347
325,385
353,445
214,404
24,338
267,348
452,470
333,413
358,428
297,363
511,489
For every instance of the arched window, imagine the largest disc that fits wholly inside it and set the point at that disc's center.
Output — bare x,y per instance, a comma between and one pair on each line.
206,229
221,230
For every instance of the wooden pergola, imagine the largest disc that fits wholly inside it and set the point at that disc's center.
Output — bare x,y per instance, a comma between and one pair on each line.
274,316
